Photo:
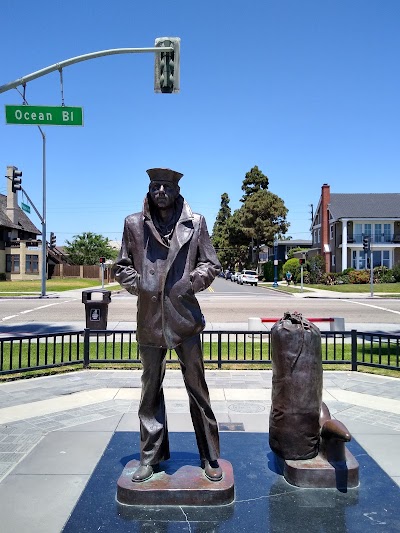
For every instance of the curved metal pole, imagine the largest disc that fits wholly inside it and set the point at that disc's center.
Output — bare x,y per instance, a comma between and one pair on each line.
78,59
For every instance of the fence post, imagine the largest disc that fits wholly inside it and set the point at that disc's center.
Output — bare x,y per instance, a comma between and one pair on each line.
219,350
354,350
86,347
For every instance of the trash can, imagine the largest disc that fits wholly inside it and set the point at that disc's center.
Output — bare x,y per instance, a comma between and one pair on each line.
96,308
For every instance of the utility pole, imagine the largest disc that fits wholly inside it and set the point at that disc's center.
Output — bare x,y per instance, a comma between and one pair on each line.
368,253
275,283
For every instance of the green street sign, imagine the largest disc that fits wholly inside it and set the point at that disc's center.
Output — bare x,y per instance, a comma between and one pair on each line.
25,207
44,115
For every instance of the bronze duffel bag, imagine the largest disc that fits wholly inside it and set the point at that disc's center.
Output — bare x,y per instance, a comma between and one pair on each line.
294,428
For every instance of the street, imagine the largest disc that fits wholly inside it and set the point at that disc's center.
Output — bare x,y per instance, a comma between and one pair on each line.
223,302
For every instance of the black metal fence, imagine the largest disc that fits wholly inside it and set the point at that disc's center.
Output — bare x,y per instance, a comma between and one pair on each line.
222,349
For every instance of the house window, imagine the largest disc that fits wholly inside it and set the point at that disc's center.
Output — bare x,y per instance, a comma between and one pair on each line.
379,258
378,233
387,232
358,232
12,263
331,232
333,260
359,260
386,258
318,236
31,264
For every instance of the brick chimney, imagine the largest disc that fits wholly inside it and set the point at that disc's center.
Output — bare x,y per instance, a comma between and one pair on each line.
325,200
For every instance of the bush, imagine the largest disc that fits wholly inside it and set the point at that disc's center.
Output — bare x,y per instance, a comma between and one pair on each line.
396,272
330,278
316,267
359,276
342,278
306,277
383,274
3,276
293,266
269,271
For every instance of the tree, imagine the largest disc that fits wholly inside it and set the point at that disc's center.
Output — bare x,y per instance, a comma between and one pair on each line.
224,212
263,216
238,241
87,248
253,182
220,234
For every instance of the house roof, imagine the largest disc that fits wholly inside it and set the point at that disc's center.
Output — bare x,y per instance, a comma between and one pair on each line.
364,205
23,222
294,243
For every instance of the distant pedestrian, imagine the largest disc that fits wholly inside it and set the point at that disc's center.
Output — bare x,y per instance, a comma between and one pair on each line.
288,277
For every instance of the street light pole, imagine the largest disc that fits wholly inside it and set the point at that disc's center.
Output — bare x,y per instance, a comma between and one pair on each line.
44,240
43,216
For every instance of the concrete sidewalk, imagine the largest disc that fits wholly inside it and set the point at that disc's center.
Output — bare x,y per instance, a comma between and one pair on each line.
54,429
309,292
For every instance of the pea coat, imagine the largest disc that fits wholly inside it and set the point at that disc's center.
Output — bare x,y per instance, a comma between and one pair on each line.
166,278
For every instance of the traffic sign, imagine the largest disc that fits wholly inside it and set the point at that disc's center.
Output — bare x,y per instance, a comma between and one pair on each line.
25,207
44,115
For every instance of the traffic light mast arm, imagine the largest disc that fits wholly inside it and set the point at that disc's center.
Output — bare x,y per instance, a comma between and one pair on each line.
78,59
32,204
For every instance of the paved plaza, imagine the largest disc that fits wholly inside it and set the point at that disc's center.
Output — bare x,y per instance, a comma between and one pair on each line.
54,429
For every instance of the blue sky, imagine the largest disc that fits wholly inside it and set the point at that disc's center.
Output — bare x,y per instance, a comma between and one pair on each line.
307,90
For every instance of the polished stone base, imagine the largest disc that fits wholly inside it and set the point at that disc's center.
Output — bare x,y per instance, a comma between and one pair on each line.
264,501
187,485
319,473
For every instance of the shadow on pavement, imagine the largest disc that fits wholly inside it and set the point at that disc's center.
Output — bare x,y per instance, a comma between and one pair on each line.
37,328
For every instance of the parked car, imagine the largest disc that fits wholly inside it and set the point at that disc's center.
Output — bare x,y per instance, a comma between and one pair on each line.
234,276
228,274
239,278
249,276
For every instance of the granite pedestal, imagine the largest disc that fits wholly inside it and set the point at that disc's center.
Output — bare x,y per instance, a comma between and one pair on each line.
264,501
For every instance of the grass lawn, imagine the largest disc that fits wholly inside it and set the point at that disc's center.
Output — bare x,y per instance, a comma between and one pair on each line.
69,356
392,288
289,288
15,288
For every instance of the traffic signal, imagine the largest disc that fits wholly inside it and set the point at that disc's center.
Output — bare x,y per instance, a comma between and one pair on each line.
166,66
102,260
302,261
16,179
53,240
366,244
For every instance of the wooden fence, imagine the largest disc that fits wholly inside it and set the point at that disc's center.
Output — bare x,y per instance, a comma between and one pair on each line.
83,271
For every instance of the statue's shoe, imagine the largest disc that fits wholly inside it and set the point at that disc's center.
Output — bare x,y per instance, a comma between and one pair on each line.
212,470
142,473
